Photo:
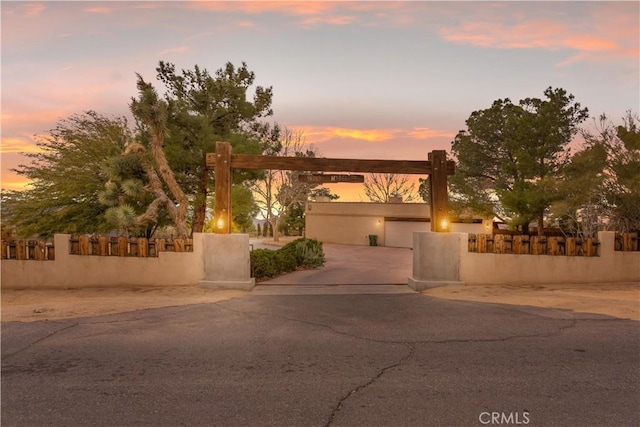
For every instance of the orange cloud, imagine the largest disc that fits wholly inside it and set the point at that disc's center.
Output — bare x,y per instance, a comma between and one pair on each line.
18,145
11,182
321,134
99,9
426,133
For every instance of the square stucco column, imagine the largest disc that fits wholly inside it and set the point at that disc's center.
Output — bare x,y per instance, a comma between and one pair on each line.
436,260
226,262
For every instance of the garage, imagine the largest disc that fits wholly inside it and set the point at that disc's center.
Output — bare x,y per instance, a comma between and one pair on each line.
398,233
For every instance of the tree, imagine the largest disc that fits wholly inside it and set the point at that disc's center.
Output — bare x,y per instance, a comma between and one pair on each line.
380,187
322,192
619,189
152,115
278,190
202,109
579,210
131,207
510,156
67,177
244,208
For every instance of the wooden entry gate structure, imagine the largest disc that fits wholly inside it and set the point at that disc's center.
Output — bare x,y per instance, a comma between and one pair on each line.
437,167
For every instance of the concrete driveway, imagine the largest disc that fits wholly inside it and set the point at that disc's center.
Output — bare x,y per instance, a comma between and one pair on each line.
355,265
323,360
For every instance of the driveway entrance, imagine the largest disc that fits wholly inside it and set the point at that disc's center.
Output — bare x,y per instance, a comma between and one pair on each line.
354,265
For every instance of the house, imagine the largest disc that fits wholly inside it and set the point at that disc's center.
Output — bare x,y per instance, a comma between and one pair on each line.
393,224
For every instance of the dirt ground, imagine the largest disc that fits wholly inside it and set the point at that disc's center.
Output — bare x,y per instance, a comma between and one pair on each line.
620,300
617,300
32,305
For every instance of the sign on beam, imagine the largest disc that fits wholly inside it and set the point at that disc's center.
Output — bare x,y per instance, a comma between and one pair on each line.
330,178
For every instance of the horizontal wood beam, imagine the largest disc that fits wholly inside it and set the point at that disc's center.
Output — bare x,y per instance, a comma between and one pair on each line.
316,164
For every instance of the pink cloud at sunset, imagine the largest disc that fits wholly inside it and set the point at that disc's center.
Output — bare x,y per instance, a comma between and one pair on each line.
615,39
258,7
317,135
99,9
426,133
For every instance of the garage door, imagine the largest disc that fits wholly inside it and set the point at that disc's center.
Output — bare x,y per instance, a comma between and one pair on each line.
399,234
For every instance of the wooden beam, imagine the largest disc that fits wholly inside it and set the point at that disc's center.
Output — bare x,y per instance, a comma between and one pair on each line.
330,178
318,164
222,208
440,220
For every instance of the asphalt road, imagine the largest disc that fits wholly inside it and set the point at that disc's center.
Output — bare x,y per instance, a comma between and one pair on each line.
324,360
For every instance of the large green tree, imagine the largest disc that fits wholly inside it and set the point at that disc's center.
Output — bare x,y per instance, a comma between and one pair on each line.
67,177
511,155
614,175
579,210
202,109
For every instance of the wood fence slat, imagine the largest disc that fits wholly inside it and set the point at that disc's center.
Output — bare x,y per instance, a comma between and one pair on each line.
39,252
21,249
103,245
12,249
143,249
123,246
133,247
178,245
151,244
51,251
83,245
161,245
74,245
472,243
5,249
482,243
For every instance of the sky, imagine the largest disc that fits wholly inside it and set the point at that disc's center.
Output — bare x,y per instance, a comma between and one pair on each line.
366,80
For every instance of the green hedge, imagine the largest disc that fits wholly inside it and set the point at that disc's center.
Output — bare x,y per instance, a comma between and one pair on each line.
304,253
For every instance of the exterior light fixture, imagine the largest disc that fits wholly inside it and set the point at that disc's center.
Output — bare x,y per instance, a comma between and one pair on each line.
220,222
444,224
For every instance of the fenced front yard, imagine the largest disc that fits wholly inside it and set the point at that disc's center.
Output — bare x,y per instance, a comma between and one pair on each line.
42,250
547,245
67,262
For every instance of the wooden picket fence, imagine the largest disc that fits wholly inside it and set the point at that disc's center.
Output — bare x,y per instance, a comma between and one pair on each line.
626,242
533,245
40,250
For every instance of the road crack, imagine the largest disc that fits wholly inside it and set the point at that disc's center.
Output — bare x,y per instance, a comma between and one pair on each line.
361,387
9,355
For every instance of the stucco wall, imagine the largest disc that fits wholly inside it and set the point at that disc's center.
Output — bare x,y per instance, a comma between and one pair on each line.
610,266
504,269
168,269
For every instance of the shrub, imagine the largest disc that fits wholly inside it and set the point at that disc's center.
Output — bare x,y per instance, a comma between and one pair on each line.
307,253
264,263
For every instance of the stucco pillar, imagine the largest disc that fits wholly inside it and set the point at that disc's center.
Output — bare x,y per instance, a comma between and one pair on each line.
226,262
436,260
